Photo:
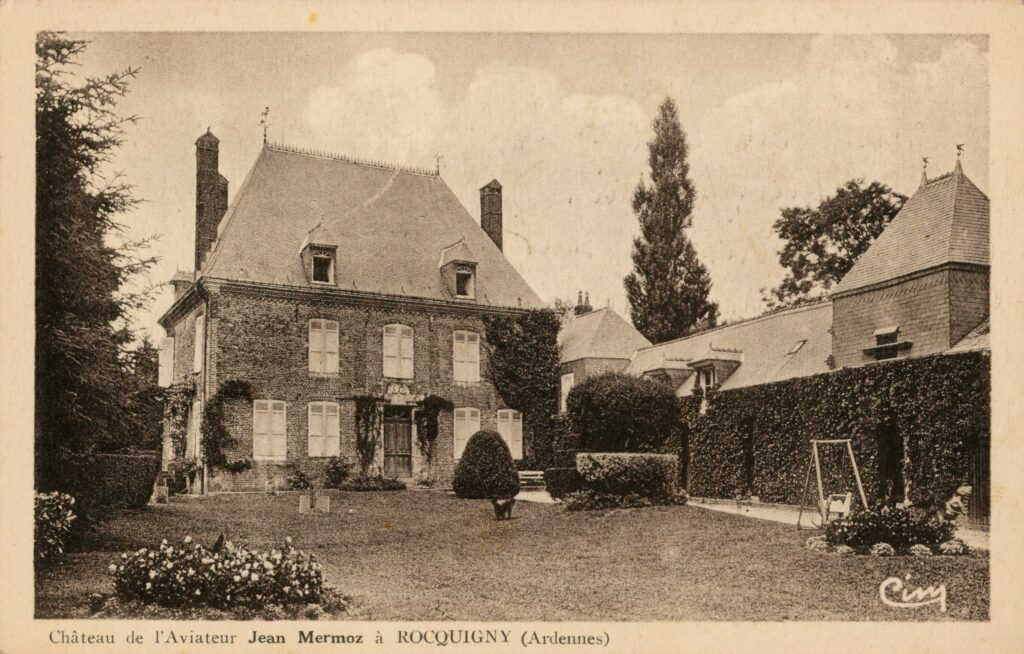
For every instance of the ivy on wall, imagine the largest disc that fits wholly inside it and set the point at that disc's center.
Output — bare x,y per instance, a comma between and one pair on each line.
427,411
368,420
178,399
216,437
523,355
756,440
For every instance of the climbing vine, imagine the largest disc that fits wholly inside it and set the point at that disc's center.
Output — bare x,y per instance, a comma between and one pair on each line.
427,411
216,437
368,418
178,399
523,354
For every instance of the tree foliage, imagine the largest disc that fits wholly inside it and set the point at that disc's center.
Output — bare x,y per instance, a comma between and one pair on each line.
83,262
669,286
523,355
822,244
616,412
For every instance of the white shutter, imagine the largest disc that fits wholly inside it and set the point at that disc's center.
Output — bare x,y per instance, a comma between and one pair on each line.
166,376
316,429
197,352
567,384
473,357
316,346
391,351
460,432
516,442
459,356
278,430
261,429
330,346
332,431
473,418
407,371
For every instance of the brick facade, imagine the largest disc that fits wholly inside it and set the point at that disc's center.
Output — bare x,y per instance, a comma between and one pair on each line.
262,337
583,369
933,311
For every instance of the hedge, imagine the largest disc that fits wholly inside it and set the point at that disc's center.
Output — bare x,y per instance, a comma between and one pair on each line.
109,480
617,473
617,412
756,440
559,482
486,470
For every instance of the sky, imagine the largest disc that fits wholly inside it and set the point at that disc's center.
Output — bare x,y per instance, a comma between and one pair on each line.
562,121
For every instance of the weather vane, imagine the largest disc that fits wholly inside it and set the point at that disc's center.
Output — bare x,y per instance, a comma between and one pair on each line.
959,149
924,162
437,163
265,123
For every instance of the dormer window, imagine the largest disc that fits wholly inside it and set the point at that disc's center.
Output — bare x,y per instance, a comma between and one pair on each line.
888,344
464,282
323,268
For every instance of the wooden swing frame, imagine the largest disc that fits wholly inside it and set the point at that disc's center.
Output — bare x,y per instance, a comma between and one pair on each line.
815,465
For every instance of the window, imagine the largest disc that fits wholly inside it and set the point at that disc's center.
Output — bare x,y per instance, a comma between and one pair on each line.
706,377
166,374
887,335
510,426
323,346
197,351
323,268
467,423
398,351
269,434
466,356
796,348
324,433
464,286
568,380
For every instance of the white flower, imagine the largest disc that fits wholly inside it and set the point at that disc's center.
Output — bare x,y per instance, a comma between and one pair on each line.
112,567
188,539
152,574
255,577
148,585
237,578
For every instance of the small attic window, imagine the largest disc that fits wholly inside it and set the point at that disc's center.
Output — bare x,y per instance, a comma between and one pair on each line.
796,348
464,282
323,268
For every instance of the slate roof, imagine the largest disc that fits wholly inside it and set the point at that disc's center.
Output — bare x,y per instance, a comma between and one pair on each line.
946,220
977,339
391,225
767,344
601,334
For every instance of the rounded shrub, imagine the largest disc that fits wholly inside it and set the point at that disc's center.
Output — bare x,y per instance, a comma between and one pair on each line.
486,469
616,412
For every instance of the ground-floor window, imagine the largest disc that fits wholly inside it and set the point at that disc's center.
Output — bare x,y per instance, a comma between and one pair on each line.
467,423
510,426
269,434
324,432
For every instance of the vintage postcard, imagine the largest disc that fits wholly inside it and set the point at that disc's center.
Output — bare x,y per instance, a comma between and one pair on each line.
499,327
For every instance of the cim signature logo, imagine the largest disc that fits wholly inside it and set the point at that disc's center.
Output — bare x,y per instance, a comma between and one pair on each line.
894,592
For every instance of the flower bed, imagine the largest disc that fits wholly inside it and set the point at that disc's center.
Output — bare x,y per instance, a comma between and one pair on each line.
377,483
190,575
887,533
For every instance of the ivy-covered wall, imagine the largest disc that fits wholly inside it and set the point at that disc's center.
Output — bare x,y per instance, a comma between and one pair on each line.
917,420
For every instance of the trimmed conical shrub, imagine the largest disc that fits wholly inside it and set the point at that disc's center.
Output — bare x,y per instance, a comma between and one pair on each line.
486,469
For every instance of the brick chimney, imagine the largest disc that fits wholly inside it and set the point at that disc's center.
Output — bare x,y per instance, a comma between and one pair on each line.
490,211
211,194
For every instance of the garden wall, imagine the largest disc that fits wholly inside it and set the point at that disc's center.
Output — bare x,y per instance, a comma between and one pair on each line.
935,410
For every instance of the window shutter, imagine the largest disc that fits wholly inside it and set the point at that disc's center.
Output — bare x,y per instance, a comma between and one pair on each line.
567,383
391,351
473,357
166,376
316,429
458,356
474,421
460,432
278,430
197,352
316,346
330,346
260,429
516,442
407,371
332,431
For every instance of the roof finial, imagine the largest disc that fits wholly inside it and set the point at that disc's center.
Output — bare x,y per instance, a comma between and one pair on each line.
959,151
924,170
265,123
437,163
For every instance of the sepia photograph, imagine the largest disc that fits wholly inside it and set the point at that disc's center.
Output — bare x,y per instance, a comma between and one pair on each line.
450,330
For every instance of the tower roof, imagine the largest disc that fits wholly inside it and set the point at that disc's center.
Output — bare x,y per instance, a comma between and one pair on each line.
208,138
945,221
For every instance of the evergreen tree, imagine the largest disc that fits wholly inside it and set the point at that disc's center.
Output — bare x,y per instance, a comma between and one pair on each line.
822,244
669,286
82,333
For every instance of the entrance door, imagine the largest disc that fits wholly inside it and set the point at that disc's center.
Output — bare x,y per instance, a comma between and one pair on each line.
397,441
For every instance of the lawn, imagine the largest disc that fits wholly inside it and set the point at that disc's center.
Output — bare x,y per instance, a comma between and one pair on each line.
429,556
